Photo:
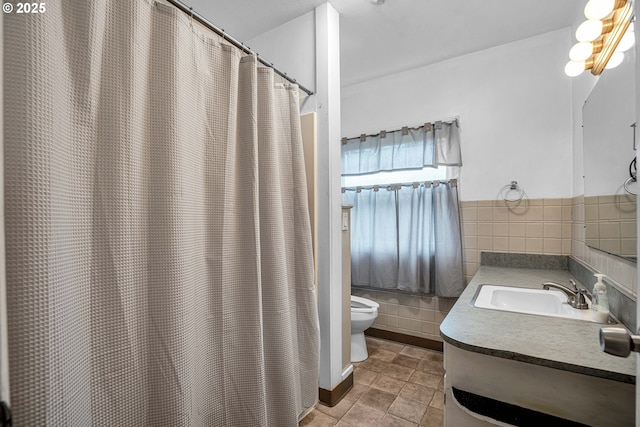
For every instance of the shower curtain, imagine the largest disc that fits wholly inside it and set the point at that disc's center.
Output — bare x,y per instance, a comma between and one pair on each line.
159,260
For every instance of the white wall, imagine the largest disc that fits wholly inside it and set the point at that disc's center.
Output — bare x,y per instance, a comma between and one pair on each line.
581,88
329,195
514,103
291,48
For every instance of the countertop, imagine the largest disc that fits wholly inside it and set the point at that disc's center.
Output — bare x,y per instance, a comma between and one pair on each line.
567,344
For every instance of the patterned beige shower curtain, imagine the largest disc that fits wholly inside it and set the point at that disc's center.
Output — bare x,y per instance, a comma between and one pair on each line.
158,242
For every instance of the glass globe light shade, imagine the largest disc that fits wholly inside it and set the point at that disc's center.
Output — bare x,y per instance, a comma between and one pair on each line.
581,51
627,41
589,30
598,9
574,68
615,60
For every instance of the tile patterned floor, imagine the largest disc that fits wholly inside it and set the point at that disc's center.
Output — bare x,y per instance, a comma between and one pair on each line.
397,386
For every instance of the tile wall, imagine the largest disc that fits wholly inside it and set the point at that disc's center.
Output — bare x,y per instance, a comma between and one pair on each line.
416,315
532,226
611,223
621,271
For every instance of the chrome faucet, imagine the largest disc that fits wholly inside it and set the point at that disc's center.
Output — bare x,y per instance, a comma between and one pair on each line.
575,297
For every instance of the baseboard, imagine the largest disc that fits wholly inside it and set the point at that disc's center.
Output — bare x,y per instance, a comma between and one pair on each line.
404,339
332,397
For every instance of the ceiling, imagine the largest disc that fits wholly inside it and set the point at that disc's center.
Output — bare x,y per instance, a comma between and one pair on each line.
400,34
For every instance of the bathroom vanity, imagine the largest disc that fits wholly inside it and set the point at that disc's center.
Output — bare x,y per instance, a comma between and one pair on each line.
507,364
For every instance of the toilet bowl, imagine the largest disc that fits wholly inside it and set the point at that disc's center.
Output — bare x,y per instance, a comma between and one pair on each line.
363,314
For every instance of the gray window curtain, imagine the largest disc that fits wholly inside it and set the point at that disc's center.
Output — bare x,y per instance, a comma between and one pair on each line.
407,238
159,259
431,145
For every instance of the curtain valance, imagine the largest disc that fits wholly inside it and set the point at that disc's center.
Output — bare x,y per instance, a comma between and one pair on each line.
408,148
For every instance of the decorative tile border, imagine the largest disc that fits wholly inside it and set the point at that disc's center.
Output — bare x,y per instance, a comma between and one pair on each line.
516,260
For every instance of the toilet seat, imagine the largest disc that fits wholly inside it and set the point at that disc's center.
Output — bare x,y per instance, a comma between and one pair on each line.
363,305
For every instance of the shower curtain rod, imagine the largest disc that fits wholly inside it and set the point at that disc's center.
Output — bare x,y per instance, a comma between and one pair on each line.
416,184
201,19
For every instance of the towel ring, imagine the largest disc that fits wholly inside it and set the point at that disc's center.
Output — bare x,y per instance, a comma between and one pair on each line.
512,187
633,172
626,185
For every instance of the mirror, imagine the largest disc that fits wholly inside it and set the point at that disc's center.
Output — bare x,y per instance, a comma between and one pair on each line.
609,148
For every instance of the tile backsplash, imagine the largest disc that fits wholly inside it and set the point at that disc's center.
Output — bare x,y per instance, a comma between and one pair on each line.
530,226
537,226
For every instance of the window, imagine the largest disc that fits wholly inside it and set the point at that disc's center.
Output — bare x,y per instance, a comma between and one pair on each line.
401,176
405,237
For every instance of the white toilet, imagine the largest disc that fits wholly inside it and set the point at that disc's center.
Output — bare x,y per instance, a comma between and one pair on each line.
363,314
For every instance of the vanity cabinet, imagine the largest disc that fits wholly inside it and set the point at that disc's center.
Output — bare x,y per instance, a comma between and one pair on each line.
529,365
567,395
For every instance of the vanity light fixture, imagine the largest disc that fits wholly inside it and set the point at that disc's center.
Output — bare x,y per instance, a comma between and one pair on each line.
599,9
602,37
591,29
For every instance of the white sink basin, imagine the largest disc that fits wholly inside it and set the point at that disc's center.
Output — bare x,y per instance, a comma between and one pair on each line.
529,301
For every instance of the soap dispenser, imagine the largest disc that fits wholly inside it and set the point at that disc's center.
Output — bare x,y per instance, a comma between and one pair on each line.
599,301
